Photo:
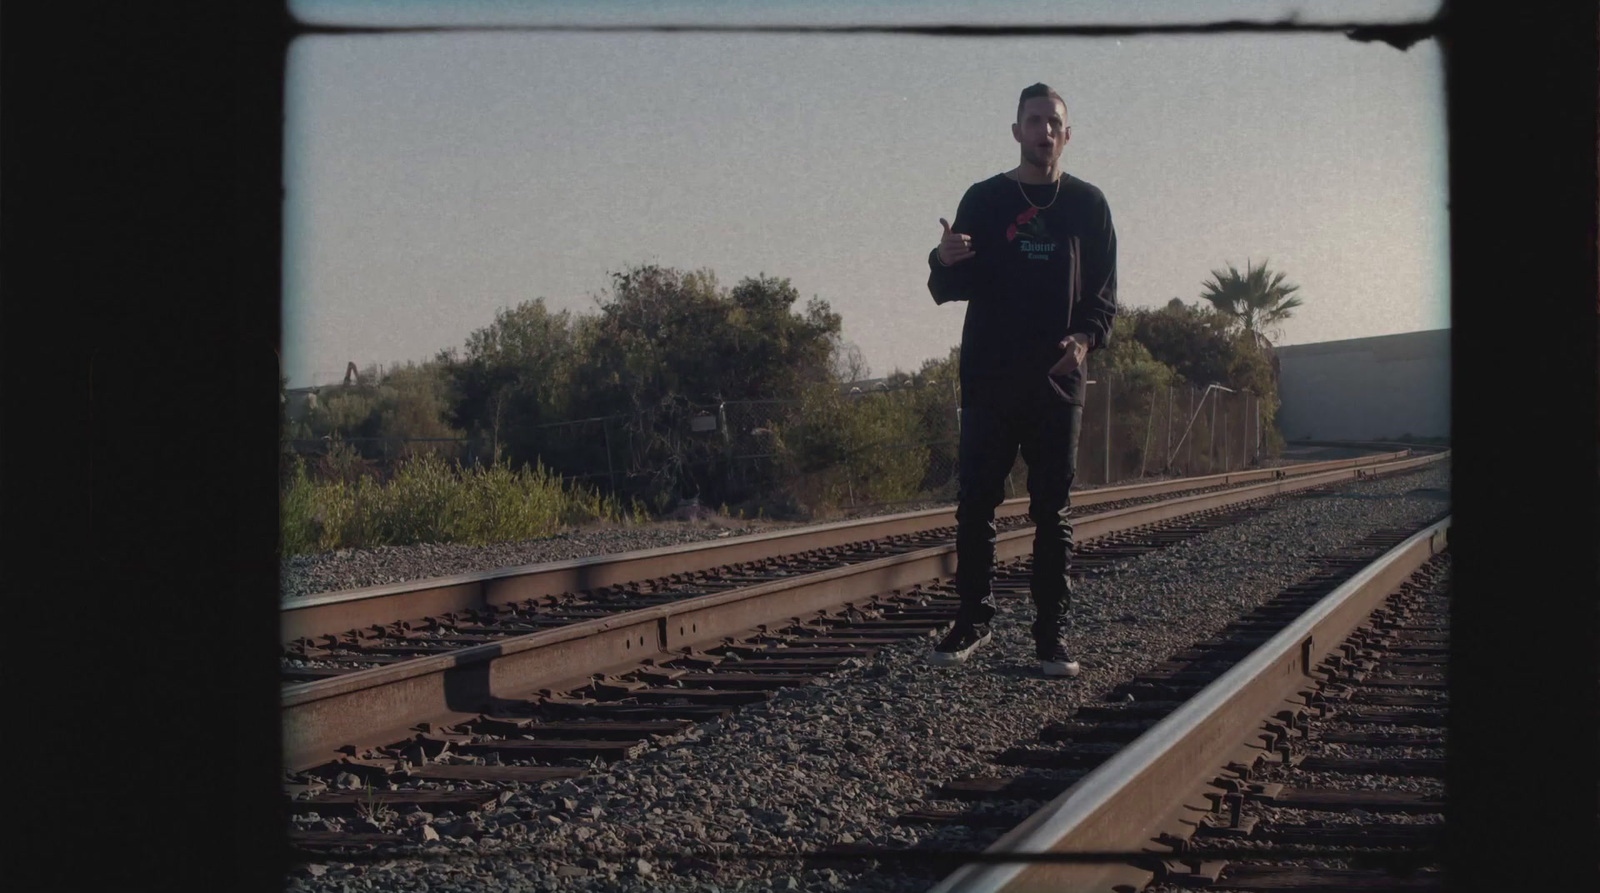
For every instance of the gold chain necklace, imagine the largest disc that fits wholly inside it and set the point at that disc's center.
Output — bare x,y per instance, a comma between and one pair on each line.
1030,201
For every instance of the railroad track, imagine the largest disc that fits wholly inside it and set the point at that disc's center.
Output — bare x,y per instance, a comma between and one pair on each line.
1301,751
406,611
494,720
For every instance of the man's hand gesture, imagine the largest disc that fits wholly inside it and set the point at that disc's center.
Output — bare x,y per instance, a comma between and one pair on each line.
1076,347
954,247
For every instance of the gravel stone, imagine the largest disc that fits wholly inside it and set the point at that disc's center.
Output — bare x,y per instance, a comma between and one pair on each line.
838,763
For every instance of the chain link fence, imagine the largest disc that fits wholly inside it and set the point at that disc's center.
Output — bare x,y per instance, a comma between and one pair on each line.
1131,432
882,446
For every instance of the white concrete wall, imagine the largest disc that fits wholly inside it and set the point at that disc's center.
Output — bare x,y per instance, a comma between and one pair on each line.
1366,388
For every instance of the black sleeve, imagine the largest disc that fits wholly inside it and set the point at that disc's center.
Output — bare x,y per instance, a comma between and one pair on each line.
1097,306
956,282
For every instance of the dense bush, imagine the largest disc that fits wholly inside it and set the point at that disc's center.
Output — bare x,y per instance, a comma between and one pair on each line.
428,500
664,347
516,374
838,449
1203,346
386,415
1139,384
613,396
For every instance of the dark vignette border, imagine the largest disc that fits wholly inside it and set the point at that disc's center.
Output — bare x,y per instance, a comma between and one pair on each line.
139,280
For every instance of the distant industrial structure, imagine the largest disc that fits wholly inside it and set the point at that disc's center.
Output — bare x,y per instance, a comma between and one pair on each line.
300,401
1379,388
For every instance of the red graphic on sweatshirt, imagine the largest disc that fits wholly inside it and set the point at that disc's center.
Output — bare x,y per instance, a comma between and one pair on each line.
1024,217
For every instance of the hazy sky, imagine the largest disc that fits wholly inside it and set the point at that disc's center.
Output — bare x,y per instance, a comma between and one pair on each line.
432,179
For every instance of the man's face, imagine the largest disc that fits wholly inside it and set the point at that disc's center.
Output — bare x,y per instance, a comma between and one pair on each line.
1042,131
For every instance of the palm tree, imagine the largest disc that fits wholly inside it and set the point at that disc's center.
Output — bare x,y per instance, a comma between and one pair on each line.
1258,300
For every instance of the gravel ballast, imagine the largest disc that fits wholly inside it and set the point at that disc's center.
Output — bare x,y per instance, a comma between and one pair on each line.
323,572
839,762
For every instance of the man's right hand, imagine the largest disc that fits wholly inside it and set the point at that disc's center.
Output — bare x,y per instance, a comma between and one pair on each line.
954,247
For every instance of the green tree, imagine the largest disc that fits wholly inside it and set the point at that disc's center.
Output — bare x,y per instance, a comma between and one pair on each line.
1258,300
1139,385
1130,360
346,411
859,448
936,394
414,402
1203,345
515,374
404,403
1193,340
669,345
663,334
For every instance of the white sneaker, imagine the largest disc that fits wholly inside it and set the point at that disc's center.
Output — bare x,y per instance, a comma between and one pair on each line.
958,644
1057,662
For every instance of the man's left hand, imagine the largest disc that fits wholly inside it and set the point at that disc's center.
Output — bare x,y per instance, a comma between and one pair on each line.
1076,347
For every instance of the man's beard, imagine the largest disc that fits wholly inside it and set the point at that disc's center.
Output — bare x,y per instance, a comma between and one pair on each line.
1040,158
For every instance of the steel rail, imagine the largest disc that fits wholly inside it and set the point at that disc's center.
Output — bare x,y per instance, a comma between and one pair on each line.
337,612
322,716
1156,781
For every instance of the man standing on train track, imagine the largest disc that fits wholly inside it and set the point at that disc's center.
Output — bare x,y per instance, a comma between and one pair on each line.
1034,255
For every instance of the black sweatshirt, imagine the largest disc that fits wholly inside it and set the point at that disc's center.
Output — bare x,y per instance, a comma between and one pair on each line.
1036,277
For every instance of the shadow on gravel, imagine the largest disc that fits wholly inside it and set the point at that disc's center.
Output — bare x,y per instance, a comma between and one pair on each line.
1433,493
1030,670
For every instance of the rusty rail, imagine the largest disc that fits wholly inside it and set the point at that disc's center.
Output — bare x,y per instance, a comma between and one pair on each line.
320,717
355,608
1156,781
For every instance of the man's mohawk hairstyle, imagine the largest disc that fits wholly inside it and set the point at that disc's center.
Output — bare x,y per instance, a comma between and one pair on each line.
1036,91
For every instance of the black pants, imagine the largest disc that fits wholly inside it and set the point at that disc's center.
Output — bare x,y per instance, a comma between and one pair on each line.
1045,428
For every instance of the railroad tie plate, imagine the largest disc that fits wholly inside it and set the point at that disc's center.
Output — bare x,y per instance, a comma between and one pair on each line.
1193,873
